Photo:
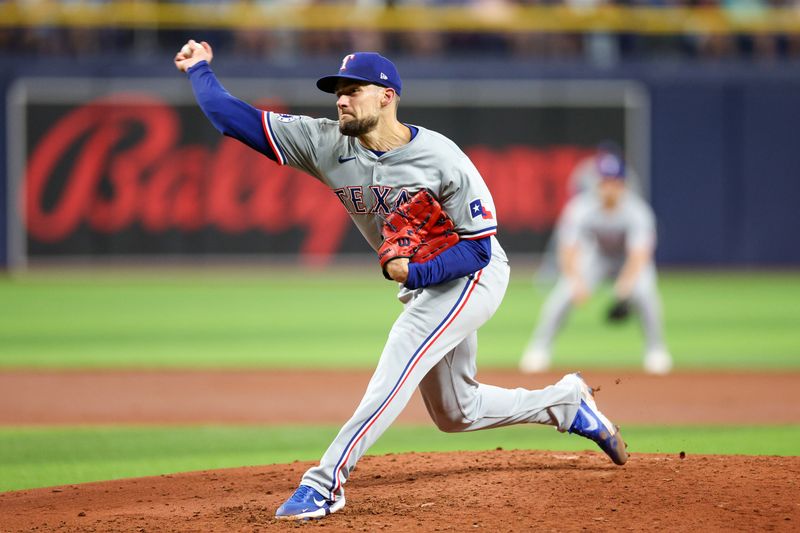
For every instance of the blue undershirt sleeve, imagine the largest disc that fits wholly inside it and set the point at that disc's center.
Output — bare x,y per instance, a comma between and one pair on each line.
466,257
229,115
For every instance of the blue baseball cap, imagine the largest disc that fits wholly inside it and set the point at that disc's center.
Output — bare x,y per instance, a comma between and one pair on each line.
611,166
364,66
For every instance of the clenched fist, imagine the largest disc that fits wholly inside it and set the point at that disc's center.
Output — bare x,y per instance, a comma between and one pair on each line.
192,53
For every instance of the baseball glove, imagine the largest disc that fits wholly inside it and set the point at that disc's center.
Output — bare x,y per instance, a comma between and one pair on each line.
619,311
418,230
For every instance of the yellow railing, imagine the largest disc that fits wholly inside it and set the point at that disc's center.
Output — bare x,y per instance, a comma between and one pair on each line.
501,18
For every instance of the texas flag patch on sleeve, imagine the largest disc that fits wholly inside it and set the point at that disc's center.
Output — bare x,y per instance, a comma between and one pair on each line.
477,210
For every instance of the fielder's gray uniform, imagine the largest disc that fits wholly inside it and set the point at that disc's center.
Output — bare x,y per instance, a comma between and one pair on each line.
603,238
433,343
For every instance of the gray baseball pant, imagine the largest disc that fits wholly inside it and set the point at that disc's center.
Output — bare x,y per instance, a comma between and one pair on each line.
433,345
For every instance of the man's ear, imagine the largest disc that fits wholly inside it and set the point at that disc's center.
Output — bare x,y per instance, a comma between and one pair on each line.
389,96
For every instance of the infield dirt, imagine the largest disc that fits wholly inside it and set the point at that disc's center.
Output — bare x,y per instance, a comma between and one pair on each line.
498,490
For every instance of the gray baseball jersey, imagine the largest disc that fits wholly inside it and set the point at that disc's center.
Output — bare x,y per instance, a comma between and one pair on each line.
433,343
631,224
369,186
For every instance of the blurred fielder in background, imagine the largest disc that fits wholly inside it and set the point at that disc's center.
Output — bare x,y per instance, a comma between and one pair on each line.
605,232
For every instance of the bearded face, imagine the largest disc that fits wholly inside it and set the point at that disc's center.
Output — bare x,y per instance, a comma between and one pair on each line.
359,106
354,127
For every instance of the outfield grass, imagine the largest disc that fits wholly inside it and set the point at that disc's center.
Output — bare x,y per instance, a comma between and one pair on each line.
40,457
296,319
302,319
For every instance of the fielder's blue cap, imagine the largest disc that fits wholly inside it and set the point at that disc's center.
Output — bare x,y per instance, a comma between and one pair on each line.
611,166
364,66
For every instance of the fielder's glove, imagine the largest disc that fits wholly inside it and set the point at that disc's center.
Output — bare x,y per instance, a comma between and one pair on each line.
619,311
418,230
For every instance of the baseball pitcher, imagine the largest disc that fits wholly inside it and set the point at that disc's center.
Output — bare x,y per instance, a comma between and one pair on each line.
423,207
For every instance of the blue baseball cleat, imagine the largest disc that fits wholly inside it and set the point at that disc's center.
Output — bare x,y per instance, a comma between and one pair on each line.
591,423
307,503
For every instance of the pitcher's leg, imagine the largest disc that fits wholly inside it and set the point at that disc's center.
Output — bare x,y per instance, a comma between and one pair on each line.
458,402
431,326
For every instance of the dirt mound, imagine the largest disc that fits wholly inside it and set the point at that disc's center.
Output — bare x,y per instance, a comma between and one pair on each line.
497,491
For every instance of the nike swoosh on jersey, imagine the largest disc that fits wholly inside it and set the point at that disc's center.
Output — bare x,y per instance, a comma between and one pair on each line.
345,159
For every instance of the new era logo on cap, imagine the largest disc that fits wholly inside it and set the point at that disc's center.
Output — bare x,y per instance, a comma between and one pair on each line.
364,66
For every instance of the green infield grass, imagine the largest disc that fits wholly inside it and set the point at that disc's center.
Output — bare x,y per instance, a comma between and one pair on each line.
42,457
283,318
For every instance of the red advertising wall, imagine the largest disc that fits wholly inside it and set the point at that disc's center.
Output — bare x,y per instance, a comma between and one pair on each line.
136,174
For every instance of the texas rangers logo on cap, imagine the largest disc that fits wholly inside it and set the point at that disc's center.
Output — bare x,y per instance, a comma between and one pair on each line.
345,59
476,209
